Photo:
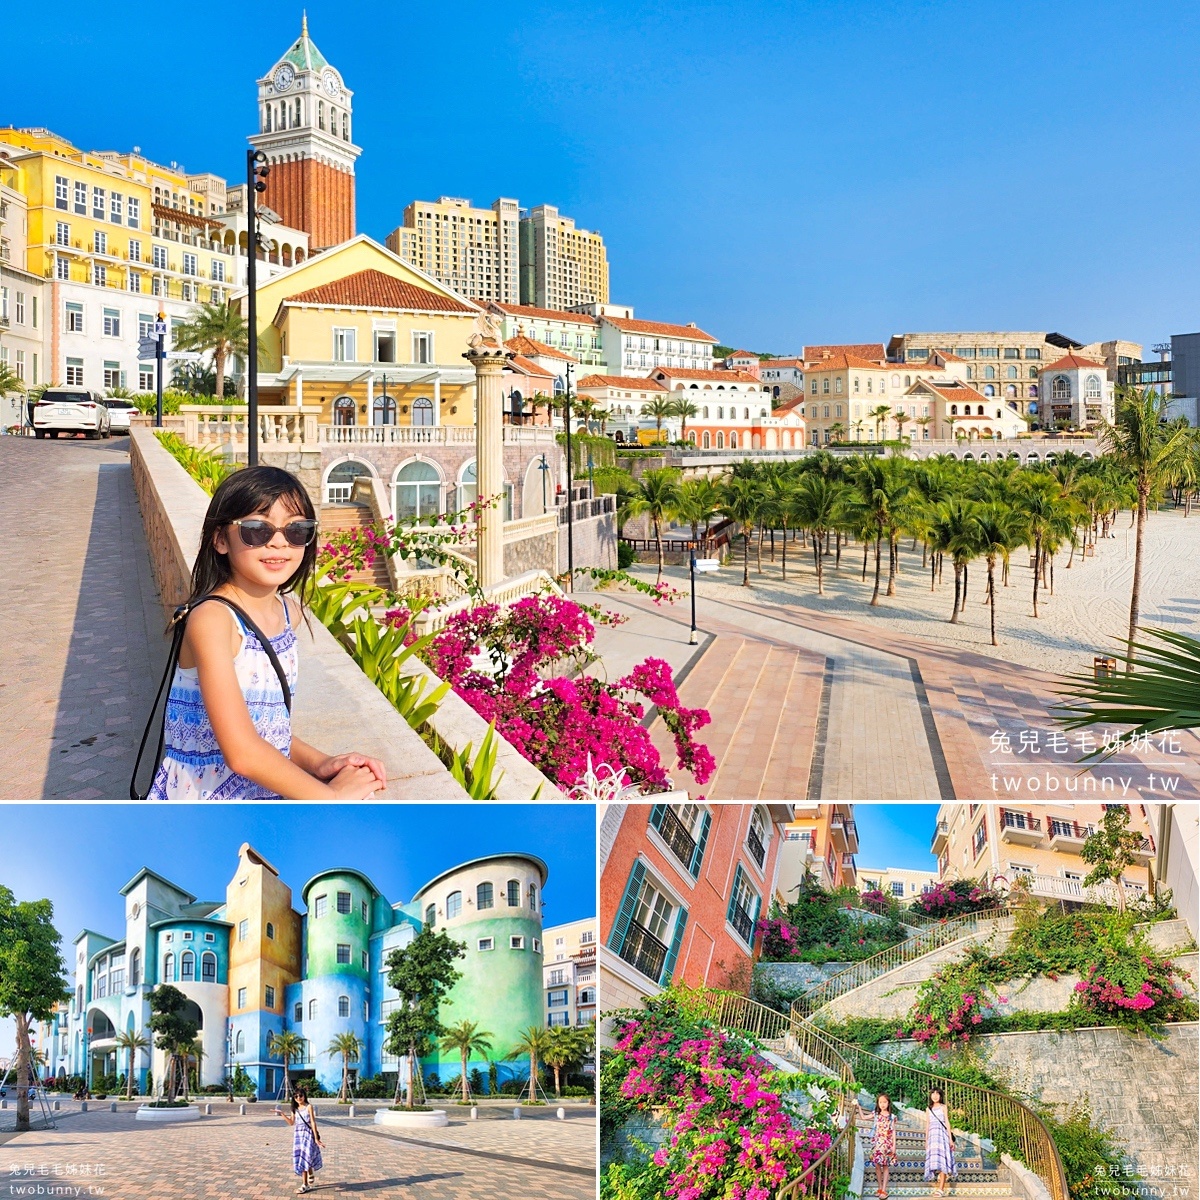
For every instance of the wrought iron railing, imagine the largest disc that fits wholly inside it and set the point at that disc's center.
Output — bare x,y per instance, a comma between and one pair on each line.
643,951
757,850
1020,820
743,922
681,842
930,938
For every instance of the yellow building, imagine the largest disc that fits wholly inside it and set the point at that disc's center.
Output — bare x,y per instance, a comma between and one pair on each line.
1039,842
369,338
821,839
561,266
901,883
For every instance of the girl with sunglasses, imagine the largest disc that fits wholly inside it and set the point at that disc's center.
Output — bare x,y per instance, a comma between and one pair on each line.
228,730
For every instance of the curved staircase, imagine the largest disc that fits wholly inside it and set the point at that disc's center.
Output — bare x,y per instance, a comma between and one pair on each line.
980,1173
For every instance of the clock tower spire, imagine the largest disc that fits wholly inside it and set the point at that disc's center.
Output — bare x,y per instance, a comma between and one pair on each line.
305,116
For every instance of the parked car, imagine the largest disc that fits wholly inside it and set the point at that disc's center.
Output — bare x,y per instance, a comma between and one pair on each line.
71,410
118,413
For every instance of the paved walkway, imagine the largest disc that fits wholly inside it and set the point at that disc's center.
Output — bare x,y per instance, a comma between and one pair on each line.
809,706
230,1157
80,623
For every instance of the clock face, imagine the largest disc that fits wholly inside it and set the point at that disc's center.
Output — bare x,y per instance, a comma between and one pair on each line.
330,82
284,78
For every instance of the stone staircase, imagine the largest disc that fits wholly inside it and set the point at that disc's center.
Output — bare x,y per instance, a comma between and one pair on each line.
336,518
980,1173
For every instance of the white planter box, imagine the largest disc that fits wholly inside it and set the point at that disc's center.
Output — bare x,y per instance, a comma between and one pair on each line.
412,1120
168,1116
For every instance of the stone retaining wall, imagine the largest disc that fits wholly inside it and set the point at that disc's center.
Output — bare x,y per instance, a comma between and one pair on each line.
797,976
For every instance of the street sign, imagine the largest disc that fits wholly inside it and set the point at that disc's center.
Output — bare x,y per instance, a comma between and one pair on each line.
708,564
147,347
160,328
184,355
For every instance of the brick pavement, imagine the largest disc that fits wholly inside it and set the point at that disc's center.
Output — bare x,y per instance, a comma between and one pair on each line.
80,620
249,1158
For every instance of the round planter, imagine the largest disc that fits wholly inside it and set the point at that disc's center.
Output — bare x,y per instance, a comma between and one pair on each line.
412,1120
168,1116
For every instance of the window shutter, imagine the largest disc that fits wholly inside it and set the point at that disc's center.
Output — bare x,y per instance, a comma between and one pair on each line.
656,816
633,886
754,925
701,841
673,953
733,893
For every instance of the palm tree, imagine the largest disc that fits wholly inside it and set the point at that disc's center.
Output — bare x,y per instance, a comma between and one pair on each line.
1142,443
955,531
287,1046
697,501
880,414
349,1046
540,400
818,505
685,410
132,1041
1048,520
742,501
858,428
656,496
924,424
534,1041
467,1038
10,381
837,431
220,328
1001,530
194,1050
584,408
900,416
566,1045
660,408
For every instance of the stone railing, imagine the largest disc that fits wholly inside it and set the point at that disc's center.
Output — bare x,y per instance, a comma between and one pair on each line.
225,426
425,435
509,591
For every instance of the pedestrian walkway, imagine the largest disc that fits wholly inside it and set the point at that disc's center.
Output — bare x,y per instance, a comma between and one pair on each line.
81,627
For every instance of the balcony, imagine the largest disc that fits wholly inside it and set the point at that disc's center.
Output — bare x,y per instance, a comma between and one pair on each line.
1020,829
941,837
852,837
1145,851
741,920
757,850
839,833
678,839
644,952
1067,837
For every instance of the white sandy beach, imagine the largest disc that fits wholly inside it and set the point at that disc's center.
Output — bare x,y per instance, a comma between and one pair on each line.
1087,615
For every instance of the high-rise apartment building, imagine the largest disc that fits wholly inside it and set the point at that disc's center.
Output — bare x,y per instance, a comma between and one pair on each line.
561,266
569,972
475,251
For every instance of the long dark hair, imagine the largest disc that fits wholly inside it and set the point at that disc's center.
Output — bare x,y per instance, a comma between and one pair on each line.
240,495
296,1094
941,1096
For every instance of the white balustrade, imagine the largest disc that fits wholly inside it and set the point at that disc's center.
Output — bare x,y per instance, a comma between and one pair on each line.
225,426
425,435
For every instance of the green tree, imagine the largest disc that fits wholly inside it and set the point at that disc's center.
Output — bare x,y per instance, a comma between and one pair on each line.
194,1053
685,410
1001,530
288,1046
421,973
349,1046
219,328
131,1041
879,414
955,531
31,979
10,381
818,505
697,501
1141,441
1049,520
566,1047
175,1032
534,1041
660,408
742,502
465,1039
656,496
900,416
1111,850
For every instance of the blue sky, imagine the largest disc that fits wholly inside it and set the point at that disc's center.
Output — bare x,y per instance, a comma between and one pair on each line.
79,856
781,173
896,835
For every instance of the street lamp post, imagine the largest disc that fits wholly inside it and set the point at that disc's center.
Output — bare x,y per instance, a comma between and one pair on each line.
544,468
570,497
693,638
257,171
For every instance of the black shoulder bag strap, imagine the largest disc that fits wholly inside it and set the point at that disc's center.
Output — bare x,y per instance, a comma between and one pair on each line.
179,624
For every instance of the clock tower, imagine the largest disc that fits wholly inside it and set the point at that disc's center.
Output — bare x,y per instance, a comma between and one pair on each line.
304,127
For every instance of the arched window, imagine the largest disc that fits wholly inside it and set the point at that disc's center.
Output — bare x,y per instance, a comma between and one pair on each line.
268,124
296,118
989,372
453,905
208,967
954,410
704,412
514,893
270,931
1092,386
187,965
989,389
745,414
468,486
1060,389
1011,390
418,491
344,410
422,411
343,1006
320,114
733,440
239,1042
339,483
970,372
691,437
720,413
1011,373
533,897
587,995
979,410
706,441
1033,372
483,896
383,410
135,968
312,1009
168,975
720,440
430,914
345,127
1033,389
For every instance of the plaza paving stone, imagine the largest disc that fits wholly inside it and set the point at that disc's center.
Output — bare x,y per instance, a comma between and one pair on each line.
231,1156
81,627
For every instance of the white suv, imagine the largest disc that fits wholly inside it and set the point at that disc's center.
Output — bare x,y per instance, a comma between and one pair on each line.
70,411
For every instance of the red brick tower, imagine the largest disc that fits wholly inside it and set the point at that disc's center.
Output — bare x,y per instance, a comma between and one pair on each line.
304,126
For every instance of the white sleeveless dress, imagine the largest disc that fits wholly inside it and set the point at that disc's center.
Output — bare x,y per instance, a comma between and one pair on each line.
193,767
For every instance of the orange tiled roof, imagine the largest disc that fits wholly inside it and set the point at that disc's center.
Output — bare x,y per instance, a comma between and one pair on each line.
374,289
782,362
660,329
631,383
527,345
868,350
546,314
1071,362
788,405
741,354
527,367
843,361
954,389
716,376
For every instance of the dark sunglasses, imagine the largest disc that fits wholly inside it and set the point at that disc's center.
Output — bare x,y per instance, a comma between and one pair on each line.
255,532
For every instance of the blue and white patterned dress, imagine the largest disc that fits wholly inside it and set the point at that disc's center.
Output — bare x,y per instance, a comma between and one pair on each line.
306,1154
193,767
939,1156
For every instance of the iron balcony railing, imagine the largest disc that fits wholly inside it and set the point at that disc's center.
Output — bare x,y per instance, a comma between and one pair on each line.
672,831
1020,820
743,922
931,938
643,951
757,850
941,830
1070,829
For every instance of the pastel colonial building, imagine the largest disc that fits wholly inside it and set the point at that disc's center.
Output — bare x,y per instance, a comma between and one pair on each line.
733,410
569,970
252,965
1076,393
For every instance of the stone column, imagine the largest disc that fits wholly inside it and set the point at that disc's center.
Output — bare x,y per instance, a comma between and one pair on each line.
488,359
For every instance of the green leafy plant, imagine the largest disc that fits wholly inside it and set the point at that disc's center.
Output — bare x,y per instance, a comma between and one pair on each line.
477,775
203,464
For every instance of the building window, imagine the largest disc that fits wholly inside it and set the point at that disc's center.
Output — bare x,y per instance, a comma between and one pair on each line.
343,1006
756,837
1092,387
243,929
187,965
133,213
343,902
344,345
80,204
516,942
514,893
114,208
430,914
112,375
483,896
298,1012
270,931
980,839
270,996
112,323
239,1041
1060,388
422,347
60,192
241,997
684,827
98,203
533,897
898,890
743,908
218,270
343,954
145,379
99,275
312,1009
365,911
320,907
485,944
453,905
557,999
365,962
208,967
62,267
74,372
158,257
